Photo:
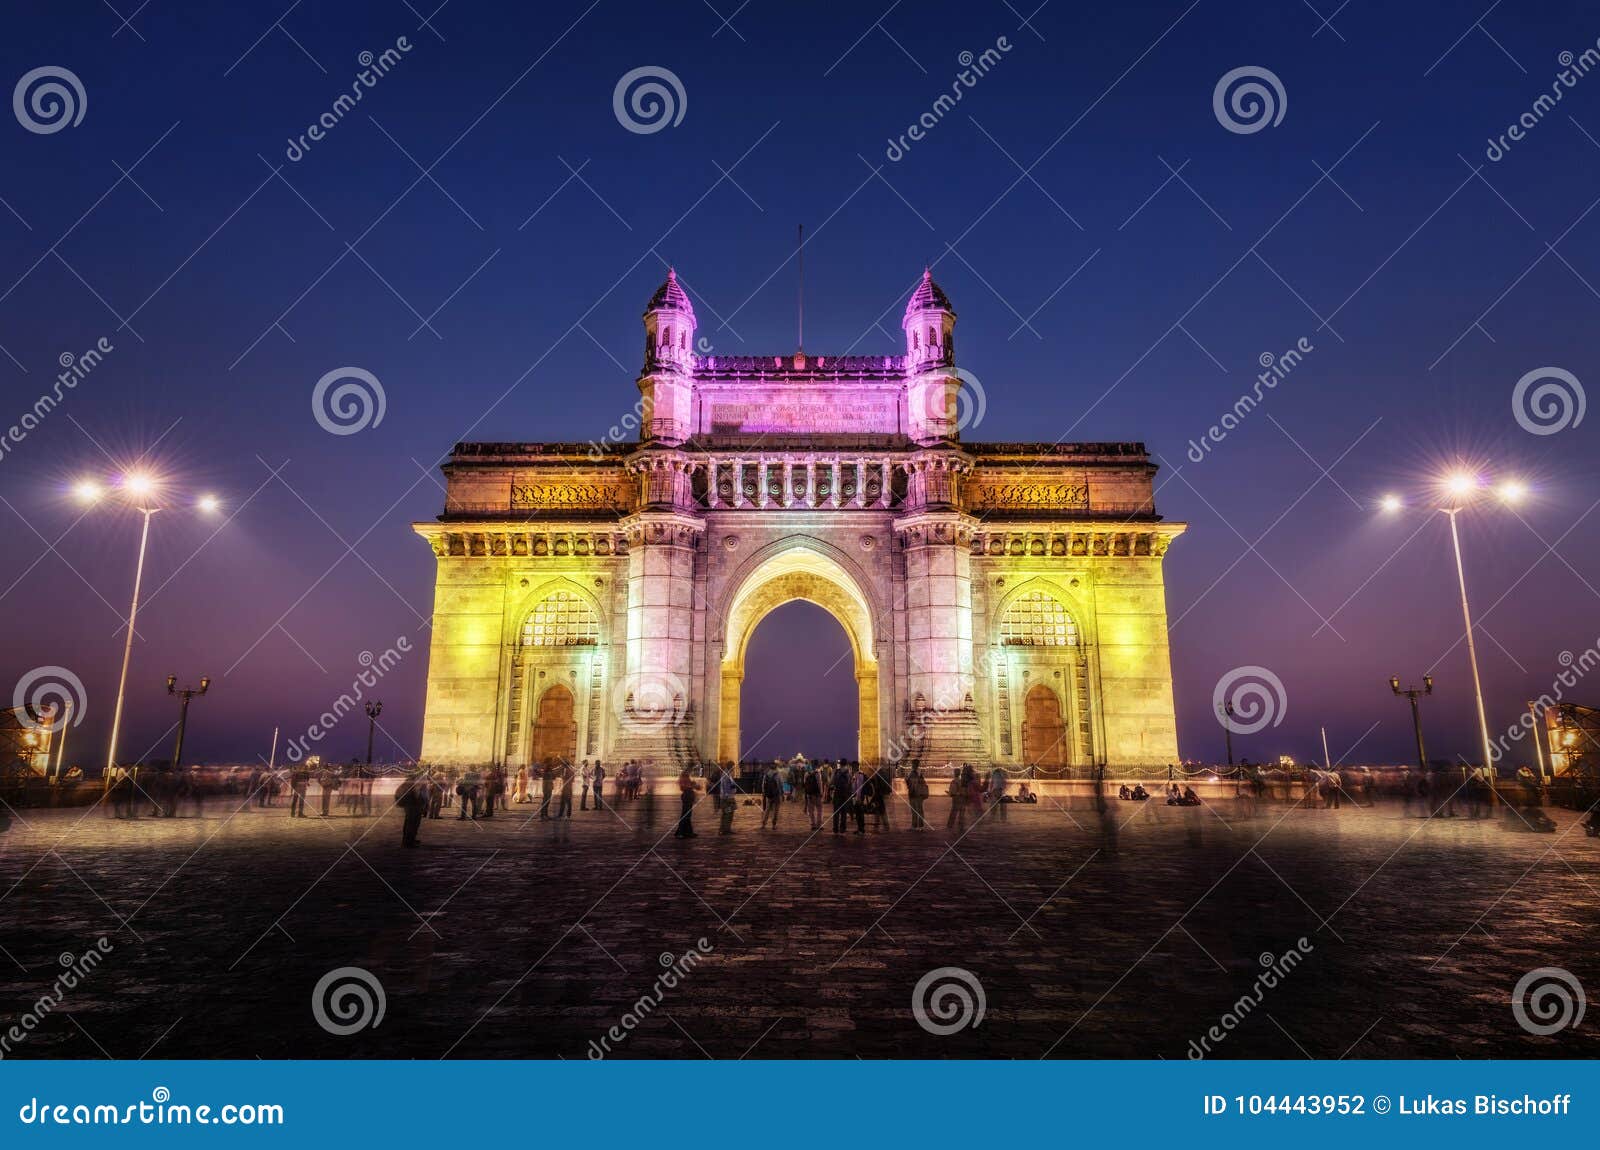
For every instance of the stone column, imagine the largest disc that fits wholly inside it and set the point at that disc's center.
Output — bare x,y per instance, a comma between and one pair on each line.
861,482
833,494
711,483
738,482
651,704
788,483
811,482
888,480
761,482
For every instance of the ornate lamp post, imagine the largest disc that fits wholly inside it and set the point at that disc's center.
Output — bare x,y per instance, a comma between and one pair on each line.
1414,693
374,709
184,695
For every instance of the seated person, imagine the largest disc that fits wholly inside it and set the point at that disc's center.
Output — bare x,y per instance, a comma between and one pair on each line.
1139,793
1190,799
1123,792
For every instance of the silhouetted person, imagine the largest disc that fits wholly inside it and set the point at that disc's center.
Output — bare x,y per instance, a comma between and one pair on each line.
686,790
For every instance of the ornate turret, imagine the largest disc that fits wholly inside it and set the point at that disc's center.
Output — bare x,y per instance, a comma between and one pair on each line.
665,384
933,387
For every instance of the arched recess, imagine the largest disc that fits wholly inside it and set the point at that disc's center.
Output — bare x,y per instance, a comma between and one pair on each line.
783,574
554,732
1044,729
556,638
1039,641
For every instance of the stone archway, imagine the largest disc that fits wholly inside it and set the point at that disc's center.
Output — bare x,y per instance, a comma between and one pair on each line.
799,573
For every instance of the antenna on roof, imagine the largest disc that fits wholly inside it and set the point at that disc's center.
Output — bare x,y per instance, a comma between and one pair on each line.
800,291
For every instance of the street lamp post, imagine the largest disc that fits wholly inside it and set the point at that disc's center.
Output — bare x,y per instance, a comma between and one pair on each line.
1461,488
127,647
374,709
141,488
184,695
1472,647
1414,693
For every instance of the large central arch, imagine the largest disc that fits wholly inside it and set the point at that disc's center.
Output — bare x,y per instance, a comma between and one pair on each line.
799,572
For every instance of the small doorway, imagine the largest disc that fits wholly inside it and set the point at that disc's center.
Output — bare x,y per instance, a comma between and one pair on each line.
555,727
1044,734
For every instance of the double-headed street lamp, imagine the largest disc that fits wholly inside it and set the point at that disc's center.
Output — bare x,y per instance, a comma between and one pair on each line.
1461,490
142,490
1415,693
184,695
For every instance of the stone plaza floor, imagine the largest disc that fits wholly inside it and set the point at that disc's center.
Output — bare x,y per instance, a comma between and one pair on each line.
1124,933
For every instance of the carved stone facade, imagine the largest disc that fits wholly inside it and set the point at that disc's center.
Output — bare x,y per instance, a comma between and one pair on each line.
1004,602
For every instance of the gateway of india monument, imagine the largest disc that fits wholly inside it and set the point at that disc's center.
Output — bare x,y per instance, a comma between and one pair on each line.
1004,601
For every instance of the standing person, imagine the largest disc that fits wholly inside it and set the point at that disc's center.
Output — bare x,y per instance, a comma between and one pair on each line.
547,786
771,796
727,795
858,797
522,784
916,795
686,791
411,800
997,791
841,798
599,784
298,781
436,794
811,788
564,811
585,776
961,788
958,799
327,782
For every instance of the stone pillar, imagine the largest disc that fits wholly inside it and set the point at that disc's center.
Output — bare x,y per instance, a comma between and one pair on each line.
651,705
811,482
761,482
888,482
861,482
833,495
711,483
788,483
738,482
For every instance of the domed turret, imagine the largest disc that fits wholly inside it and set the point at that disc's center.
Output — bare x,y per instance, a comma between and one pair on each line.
669,326
929,325
666,384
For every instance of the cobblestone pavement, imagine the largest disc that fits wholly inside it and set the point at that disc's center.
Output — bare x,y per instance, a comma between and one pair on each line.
1123,934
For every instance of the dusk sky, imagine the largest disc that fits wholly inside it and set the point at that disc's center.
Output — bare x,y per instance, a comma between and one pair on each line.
1100,295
